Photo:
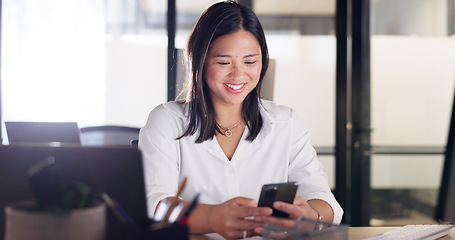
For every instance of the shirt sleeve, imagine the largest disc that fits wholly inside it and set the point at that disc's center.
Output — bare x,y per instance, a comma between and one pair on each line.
157,142
306,169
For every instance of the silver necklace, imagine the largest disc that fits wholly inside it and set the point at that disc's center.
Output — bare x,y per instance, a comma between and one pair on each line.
227,131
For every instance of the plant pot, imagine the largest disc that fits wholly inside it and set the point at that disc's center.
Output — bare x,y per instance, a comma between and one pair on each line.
25,224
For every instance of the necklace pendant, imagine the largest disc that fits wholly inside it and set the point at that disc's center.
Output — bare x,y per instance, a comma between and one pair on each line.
228,133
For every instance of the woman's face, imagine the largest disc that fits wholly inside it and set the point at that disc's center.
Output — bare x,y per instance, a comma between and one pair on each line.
233,67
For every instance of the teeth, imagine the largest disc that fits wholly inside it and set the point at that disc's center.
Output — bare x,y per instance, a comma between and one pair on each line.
235,87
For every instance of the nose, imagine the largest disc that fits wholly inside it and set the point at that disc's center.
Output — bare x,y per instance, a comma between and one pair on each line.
237,71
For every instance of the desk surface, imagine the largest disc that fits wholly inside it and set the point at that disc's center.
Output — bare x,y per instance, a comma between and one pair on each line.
355,233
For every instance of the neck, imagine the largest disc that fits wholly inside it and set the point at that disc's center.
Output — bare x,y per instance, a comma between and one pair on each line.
228,115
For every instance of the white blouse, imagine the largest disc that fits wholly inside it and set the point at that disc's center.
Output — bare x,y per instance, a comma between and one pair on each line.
281,152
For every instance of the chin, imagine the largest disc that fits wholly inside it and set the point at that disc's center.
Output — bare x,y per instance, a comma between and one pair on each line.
235,102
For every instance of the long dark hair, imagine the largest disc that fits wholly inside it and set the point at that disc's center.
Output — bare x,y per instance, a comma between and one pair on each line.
218,20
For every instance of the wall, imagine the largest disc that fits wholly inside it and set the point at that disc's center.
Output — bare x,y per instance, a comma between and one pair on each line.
136,78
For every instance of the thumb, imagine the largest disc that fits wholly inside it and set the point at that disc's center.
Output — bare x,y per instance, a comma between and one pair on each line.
245,202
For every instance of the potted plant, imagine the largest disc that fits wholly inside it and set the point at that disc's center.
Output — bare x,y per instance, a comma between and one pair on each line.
60,210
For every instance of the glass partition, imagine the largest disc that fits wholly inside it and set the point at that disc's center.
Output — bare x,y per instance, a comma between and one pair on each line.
412,90
53,61
92,62
136,70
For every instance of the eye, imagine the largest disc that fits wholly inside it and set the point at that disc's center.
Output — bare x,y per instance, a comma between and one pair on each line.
250,62
223,63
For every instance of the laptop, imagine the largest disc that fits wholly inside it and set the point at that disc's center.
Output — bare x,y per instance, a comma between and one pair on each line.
42,132
116,171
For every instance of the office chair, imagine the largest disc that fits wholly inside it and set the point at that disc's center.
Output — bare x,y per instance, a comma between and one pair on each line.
108,135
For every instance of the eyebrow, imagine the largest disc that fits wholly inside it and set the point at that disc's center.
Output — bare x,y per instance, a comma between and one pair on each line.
227,55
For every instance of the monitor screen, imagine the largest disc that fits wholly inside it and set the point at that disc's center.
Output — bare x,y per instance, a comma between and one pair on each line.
116,171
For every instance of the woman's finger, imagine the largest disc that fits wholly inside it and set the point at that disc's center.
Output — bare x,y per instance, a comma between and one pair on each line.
281,222
299,201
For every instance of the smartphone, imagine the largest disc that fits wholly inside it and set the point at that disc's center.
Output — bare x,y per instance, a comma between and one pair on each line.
284,192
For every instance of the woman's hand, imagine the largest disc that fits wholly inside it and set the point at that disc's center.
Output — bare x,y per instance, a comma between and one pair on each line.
231,218
300,208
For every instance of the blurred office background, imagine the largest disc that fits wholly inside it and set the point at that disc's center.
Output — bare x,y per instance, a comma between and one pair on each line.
104,62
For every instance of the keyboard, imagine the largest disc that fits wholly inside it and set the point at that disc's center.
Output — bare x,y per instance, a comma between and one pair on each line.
415,232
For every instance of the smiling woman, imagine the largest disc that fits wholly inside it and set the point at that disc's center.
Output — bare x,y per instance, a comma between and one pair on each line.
227,140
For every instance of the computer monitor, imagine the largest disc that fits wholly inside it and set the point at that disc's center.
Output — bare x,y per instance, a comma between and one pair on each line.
42,132
445,209
116,171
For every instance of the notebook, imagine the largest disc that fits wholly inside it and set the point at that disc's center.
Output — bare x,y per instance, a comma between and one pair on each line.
116,171
42,132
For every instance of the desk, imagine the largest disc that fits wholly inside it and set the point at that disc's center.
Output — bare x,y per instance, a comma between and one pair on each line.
355,233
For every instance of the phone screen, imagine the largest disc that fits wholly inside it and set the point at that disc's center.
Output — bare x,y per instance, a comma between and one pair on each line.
284,192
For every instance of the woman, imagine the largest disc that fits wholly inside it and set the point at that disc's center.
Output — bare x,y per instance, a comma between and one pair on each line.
226,140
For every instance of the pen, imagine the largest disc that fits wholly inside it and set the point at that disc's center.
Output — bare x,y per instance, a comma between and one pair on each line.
173,203
117,209
184,220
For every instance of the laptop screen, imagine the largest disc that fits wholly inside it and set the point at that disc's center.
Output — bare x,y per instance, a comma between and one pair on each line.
42,132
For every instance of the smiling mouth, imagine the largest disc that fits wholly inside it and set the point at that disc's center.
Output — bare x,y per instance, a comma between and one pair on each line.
236,86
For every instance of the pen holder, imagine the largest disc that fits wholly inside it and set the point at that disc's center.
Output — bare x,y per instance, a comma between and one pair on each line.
306,229
23,222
